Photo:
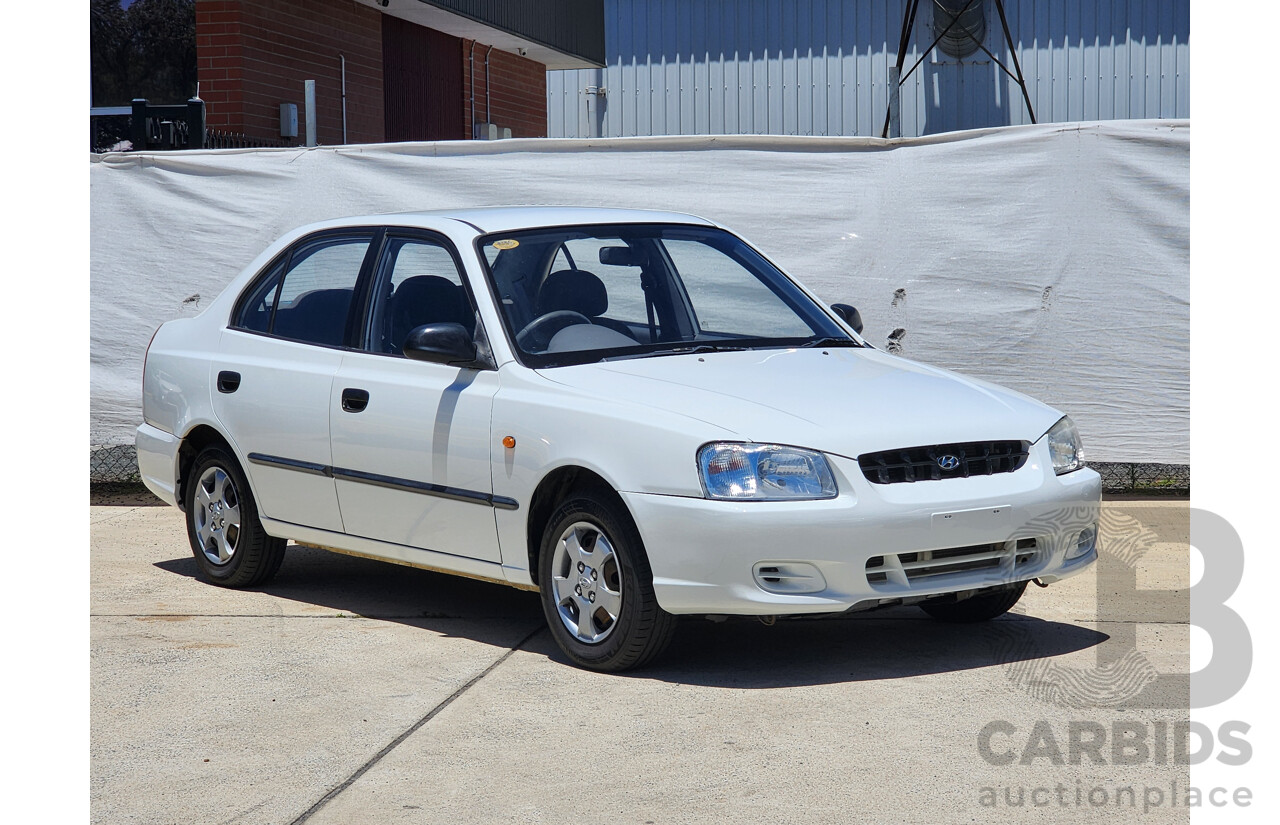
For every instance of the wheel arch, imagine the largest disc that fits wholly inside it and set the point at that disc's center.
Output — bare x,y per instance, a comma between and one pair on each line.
197,439
554,488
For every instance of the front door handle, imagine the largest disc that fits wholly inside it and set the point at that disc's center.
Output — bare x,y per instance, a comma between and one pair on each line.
354,401
228,381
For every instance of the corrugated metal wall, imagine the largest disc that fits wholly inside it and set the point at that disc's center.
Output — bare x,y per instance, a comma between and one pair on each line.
820,67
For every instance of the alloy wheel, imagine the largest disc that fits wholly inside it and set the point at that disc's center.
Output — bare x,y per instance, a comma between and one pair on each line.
217,515
587,582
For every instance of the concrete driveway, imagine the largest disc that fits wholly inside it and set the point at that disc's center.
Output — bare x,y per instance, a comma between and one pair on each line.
352,691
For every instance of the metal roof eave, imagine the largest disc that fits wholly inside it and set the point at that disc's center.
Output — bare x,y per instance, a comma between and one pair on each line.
560,34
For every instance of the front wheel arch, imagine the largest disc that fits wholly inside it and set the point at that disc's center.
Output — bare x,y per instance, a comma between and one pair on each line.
557,486
593,566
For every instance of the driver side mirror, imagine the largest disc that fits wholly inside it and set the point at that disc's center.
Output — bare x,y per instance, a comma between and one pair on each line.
442,344
849,315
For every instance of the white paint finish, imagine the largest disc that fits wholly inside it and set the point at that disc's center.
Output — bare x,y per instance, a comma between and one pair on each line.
844,401
629,446
385,551
703,552
166,383
989,517
427,423
499,218
157,461
637,424
280,409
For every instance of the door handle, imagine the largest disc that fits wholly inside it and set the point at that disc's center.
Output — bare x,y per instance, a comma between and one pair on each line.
228,381
354,401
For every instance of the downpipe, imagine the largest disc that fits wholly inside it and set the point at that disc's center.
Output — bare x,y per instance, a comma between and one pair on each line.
342,57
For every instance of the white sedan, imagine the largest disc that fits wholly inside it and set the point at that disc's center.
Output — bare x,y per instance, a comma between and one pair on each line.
635,413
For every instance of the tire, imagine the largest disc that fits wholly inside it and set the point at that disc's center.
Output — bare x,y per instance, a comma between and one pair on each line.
593,560
229,544
979,608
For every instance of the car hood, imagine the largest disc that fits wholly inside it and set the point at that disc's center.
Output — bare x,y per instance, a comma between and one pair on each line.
845,401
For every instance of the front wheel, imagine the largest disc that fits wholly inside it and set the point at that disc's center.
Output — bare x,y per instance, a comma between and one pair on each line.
597,588
228,541
980,608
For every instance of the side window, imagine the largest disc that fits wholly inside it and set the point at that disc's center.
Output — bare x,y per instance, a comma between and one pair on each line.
418,283
315,296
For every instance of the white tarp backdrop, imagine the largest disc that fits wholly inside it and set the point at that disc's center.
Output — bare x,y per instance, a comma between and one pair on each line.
1052,259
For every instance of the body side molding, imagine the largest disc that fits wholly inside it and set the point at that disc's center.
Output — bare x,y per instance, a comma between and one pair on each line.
409,485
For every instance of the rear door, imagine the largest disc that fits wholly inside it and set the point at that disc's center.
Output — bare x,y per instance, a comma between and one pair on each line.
411,440
275,368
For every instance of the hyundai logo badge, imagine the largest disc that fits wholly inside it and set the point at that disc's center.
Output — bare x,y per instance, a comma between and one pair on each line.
948,462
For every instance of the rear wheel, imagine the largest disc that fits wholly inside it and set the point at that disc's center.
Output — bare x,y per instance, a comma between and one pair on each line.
228,541
597,588
980,608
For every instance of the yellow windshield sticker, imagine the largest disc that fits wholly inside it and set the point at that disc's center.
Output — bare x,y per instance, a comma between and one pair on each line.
506,243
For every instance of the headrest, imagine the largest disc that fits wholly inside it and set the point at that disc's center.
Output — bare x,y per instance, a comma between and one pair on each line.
428,296
573,289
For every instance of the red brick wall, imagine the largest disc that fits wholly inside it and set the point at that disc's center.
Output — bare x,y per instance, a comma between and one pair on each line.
255,55
517,91
220,63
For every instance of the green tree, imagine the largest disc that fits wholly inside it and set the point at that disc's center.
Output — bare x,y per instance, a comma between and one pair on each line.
147,50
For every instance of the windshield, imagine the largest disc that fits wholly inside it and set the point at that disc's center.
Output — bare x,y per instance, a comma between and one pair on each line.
573,295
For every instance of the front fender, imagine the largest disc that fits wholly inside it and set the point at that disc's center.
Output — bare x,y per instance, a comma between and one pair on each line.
635,449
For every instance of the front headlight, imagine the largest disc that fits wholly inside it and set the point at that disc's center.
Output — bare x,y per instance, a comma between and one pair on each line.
764,472
1065,447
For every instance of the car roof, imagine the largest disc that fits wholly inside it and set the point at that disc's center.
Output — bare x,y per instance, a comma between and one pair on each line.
507,218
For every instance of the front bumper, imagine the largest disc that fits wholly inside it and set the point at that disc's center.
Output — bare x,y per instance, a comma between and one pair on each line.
872,544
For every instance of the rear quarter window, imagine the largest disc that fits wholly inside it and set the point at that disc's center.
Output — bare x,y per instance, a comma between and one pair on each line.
308,298
256,307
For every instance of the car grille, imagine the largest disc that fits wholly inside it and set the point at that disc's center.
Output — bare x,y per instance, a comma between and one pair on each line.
908,568
972,458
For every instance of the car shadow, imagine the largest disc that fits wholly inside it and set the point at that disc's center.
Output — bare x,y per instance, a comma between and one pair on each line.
378,590
893,643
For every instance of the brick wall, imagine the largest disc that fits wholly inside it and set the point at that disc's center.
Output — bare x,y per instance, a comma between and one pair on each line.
254,55
517,91
220,65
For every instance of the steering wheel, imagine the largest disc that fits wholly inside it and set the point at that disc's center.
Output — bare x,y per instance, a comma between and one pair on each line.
537,334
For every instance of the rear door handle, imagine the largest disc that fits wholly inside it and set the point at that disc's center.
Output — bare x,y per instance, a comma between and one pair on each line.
354,401
228,381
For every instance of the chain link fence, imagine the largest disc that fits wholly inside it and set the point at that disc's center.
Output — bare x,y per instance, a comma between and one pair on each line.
1118,477
118,464
114,464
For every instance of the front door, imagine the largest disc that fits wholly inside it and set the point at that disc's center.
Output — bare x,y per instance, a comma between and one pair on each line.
410,439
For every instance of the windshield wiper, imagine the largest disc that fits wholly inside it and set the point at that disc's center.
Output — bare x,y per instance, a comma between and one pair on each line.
830,342
689,350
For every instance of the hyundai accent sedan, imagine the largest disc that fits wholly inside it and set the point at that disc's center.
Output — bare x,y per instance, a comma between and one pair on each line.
635,413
